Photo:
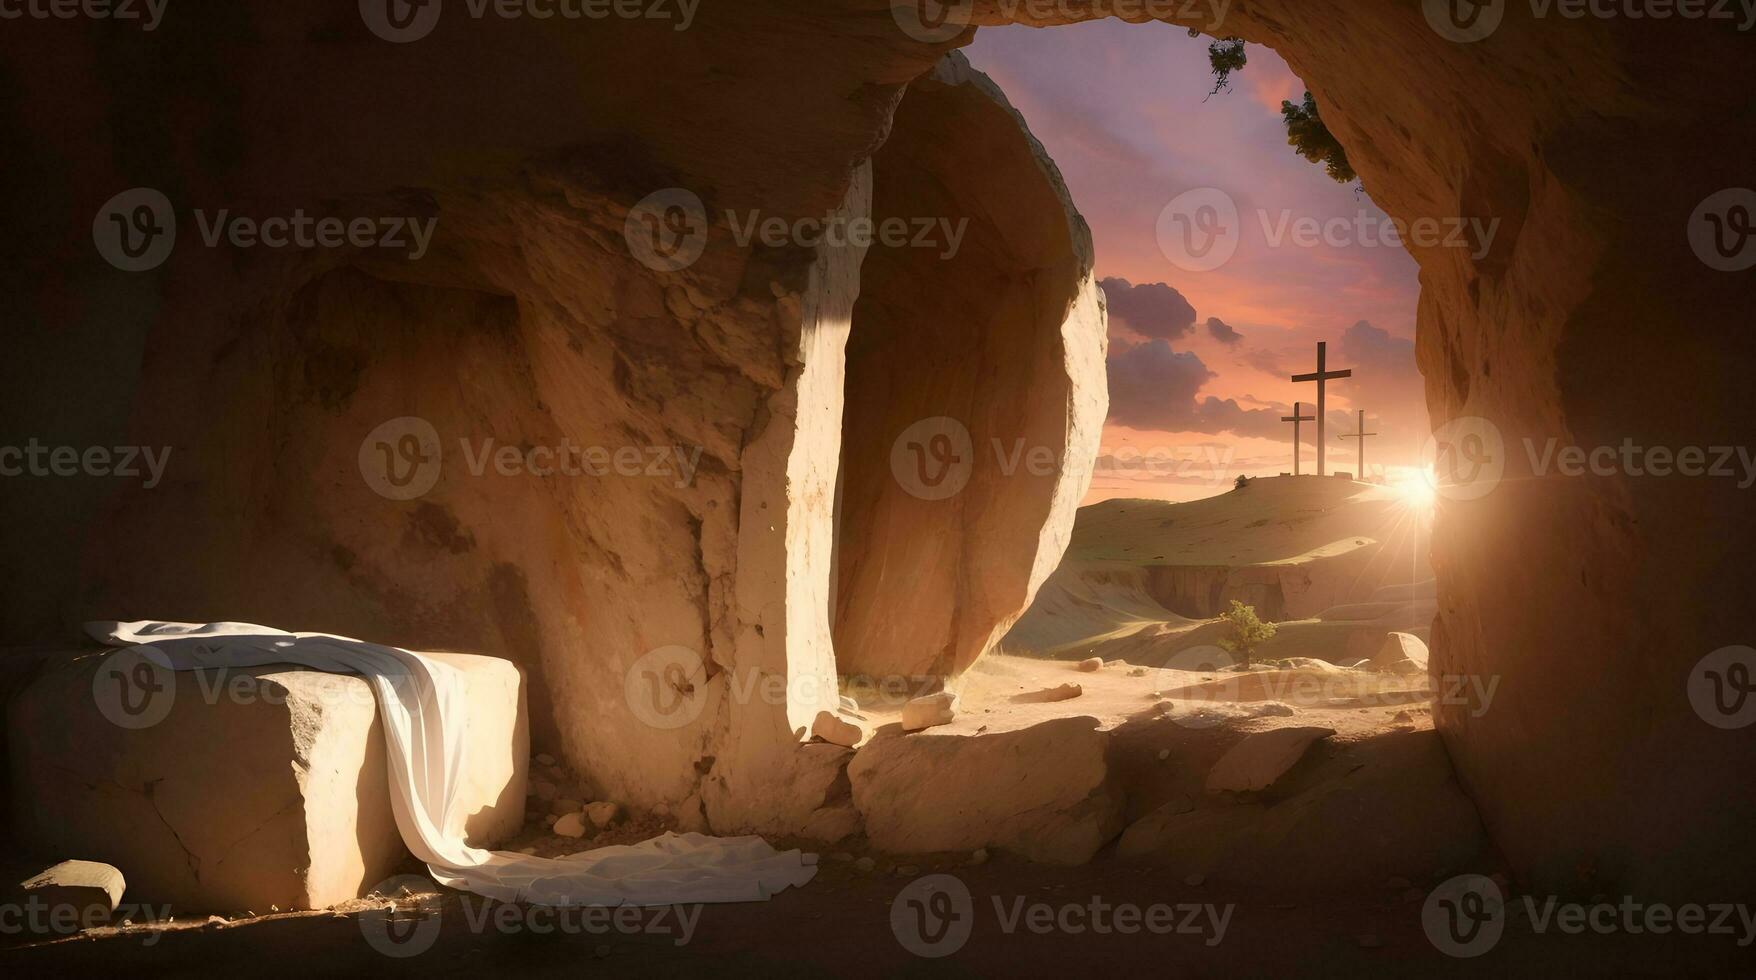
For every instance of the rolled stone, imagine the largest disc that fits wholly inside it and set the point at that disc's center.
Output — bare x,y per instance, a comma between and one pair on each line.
927,712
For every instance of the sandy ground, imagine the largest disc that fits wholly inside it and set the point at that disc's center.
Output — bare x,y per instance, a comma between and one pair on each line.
1099,603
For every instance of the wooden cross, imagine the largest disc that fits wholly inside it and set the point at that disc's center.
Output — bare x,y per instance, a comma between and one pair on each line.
1295,418
1361,435
1321,376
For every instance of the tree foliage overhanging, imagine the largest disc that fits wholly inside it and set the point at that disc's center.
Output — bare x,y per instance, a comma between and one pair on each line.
1306,132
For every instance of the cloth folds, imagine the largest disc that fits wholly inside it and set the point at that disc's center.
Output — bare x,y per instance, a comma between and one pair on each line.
421,703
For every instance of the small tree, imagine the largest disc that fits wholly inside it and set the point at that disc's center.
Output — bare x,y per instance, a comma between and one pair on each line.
1225,57
1307,134
1244,632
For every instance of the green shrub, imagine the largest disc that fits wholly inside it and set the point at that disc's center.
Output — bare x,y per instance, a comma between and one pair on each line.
1244,632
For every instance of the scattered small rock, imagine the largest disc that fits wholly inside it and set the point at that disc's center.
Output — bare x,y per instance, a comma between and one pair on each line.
979,856
865,865
1402,716
603,813
1164,754
543,790
930,711
1065,692
92,890
559,806
570,825
1137,672
836,730
545,759
1091,664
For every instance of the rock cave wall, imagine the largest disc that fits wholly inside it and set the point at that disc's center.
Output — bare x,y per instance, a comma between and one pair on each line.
1589,600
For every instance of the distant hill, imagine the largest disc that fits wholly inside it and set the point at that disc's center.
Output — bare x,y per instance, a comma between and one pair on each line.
1341,563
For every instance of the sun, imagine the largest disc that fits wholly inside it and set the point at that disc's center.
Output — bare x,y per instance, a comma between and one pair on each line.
1417,492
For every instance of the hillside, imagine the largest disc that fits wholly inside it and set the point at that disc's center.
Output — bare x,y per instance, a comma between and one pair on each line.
1338,563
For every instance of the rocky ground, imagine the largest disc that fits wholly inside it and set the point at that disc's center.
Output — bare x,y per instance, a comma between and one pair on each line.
1296,816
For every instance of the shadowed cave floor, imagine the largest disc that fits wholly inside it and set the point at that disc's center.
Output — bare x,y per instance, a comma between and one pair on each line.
840,925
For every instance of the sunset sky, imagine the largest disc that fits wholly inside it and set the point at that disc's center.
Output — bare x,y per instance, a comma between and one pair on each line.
1200,361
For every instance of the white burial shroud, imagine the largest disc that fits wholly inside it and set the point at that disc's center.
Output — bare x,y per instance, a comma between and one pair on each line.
421,703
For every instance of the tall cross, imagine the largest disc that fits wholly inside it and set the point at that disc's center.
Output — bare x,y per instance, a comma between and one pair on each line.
1320,377
1361,435
1295,418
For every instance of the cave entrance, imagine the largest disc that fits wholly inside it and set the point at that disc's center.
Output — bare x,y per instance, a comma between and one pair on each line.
966,358
1117,711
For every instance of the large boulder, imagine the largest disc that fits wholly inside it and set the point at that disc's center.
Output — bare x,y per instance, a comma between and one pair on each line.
1261,759
1401,653
241,790
1387,806
1044,792
963,483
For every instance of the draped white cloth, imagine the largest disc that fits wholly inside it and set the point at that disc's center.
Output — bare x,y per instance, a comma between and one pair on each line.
422,704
